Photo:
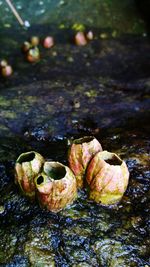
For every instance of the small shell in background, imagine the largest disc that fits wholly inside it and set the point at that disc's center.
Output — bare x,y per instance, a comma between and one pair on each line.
3,63
7,71
90,35
33,55
34,40
80,39
26,46
48,42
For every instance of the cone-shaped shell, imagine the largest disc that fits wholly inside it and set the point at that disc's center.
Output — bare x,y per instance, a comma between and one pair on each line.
107,176
56,186
80,39
27,167
33,54
35,40
80,153
26,46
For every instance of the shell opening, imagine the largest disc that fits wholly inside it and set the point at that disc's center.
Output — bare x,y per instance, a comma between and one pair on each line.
40,180
113,161
55,171
26,157
85,139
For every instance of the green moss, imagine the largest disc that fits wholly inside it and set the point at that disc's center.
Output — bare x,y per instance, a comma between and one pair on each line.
8,242
7,114
111,253
2,209
106,198
78,27
4,102
39,258
91,93
61,26
77,231
82,264
4,128
74,214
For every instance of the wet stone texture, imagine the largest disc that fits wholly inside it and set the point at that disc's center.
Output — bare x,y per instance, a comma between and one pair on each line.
101,89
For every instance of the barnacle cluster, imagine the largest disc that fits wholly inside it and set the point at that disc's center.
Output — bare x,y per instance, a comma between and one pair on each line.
31,48
55,185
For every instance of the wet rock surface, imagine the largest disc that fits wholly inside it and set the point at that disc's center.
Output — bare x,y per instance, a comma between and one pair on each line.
103,90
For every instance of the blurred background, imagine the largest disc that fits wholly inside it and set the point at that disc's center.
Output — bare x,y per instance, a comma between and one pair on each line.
116,17
123,16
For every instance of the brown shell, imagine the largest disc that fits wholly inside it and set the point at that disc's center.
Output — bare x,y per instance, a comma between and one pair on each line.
107,176
33,55
80,153
56,186
80,39
27,167
48,42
